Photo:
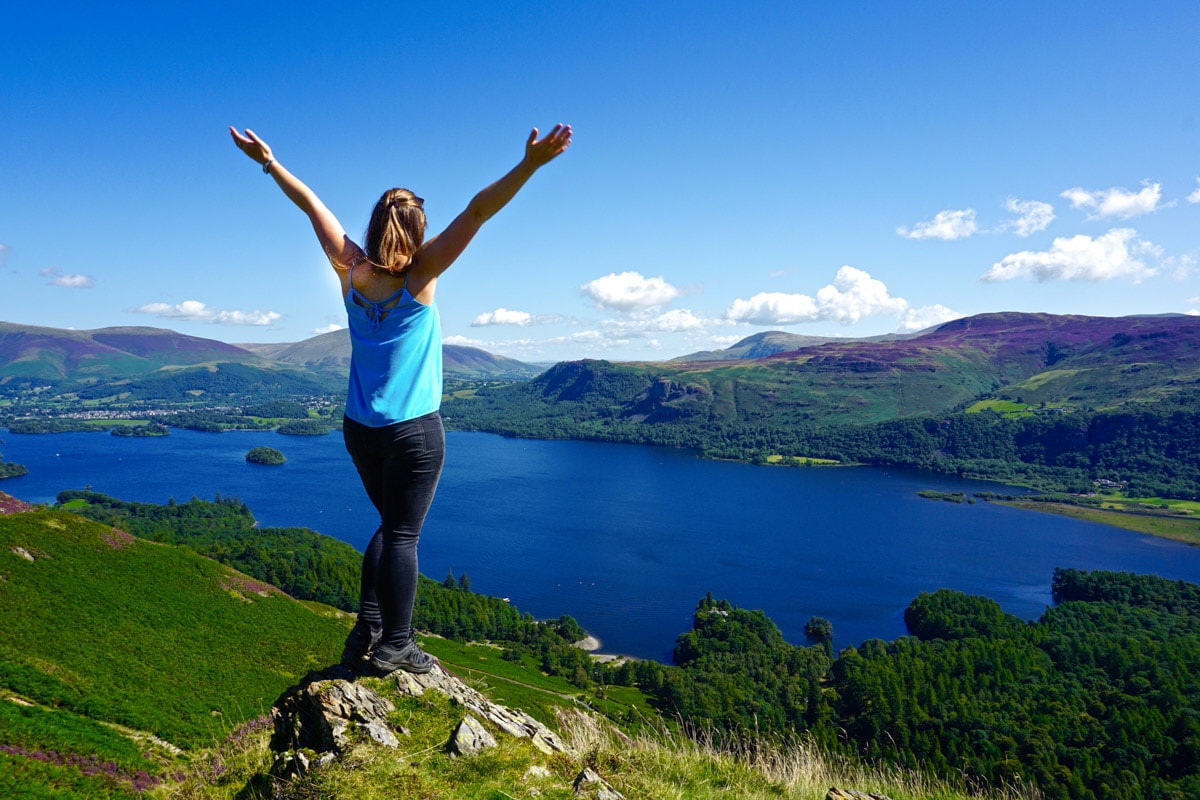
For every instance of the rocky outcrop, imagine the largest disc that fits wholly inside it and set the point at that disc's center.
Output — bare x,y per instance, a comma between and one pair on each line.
319,715
318,720
511,721
666,400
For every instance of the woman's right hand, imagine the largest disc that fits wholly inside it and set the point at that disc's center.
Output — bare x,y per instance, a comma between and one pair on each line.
541,151
251,145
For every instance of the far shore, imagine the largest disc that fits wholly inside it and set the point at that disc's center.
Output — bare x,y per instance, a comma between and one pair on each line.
1176,528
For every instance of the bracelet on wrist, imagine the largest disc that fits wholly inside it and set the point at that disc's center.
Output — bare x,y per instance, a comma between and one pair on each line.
267,166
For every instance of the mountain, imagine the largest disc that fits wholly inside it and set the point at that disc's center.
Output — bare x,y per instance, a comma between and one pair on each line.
141,361
768,343
331,352
106,353
1068,361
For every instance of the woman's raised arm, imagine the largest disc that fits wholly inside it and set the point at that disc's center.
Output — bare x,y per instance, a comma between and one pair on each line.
437,254
337,245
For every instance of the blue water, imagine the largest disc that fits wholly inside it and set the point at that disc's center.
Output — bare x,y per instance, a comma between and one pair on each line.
626,538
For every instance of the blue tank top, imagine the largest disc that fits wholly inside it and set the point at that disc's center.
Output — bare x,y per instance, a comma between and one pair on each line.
395,358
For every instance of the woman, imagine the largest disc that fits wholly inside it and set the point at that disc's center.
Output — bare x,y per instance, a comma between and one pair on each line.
392,428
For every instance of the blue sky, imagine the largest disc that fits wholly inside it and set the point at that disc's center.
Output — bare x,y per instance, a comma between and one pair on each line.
828,169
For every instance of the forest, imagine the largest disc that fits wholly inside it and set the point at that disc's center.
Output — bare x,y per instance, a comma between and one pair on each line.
1154,447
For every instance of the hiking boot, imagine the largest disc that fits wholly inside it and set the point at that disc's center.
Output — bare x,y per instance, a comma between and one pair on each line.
386,659
359,644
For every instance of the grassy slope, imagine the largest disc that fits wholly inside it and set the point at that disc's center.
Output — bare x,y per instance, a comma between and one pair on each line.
102,628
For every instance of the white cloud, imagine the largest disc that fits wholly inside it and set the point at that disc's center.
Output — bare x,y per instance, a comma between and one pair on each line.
640,327
1112,255
502,316
330,328
675,321
774,308
1032,216
605,339
918,319
629,291
463,341
1116,202
69,281
947,225
196,311
1194,197
1180,267
854,294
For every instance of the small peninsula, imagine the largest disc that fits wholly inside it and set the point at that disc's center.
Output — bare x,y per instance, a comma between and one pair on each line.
10,470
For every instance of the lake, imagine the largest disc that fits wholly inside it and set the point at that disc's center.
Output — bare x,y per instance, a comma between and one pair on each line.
628,538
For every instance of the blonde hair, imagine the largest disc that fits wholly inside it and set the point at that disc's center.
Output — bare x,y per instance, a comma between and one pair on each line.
396,230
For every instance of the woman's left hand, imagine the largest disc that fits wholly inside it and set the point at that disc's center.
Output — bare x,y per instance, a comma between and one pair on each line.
251,145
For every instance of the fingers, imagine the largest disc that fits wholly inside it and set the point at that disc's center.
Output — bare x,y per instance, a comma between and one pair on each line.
557,139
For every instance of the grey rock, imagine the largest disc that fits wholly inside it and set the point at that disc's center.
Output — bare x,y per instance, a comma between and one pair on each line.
589,784
512,721
321,714
470,738
852,794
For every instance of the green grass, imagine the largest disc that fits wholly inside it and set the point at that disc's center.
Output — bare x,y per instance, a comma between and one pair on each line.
1119,501
808,460
1006,407
1180,529
149,636
1042,378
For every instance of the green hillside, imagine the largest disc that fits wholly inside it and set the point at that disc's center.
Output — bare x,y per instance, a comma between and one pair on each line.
1076,362
1054,402
101,627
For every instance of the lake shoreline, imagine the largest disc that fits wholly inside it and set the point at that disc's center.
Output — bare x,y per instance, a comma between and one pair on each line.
626,539
1174,528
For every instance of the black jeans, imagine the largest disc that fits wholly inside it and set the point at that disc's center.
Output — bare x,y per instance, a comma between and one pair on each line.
399,466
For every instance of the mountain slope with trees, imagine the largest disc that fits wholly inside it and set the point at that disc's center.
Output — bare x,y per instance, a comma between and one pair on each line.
1090,397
